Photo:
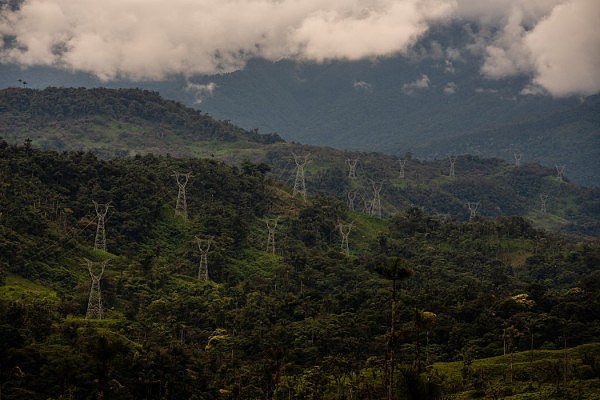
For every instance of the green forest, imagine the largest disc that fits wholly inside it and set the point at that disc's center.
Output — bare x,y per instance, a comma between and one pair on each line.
417,306
130,122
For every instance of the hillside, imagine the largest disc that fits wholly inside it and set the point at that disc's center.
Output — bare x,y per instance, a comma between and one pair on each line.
432,102
305,321
110,121
129,122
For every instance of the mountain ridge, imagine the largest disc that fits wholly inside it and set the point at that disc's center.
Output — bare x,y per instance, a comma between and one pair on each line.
501,188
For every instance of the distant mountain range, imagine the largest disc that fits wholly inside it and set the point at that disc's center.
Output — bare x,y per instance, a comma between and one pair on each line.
129,122
431,104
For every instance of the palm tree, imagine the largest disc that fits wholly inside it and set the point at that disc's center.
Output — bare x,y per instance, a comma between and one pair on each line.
395,270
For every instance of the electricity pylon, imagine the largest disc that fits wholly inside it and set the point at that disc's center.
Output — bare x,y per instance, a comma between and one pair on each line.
345,233
473,206
299,182
452,160
271,227
95,309
204,248
100,239
351,197
402,165
181,206
376,203
543,199
560,171
517,158
351,163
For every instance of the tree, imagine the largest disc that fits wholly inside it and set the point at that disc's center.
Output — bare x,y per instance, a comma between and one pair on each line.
396,271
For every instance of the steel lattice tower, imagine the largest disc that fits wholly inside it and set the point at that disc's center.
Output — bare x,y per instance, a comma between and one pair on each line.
351,197
299,182
402,165
345,233
452,160
95,308
351,163
181,206
100,239
560,171
204,248
376,203
473,206
271,227
543,199
517,158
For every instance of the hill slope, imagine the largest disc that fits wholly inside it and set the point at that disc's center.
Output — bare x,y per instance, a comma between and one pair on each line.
129,122
305,321
432,102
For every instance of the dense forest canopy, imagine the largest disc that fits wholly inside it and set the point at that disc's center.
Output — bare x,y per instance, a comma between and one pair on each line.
306,320
130,122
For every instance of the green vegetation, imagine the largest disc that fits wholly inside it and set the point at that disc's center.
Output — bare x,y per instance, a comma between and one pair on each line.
133,122
305,322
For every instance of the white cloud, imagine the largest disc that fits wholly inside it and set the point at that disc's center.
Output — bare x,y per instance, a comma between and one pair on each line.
152,39
201,90
450,88
362,85
565,49
533,90
421,83
555,42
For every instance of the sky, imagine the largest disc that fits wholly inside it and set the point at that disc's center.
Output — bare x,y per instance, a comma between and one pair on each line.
556,43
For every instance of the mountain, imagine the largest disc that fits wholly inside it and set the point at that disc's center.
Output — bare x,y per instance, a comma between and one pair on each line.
113,122
432,102
309,319
363,106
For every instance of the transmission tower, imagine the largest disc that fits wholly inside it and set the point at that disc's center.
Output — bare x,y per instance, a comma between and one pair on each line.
402,165
560,171
181,206
376,203
543,199
473,206
351,197
351,163
345,232
517,158
271,227
100,239
299,182
95,309
452,160
204,248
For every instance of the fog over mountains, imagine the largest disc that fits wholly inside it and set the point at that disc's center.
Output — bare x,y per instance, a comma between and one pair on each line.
428,77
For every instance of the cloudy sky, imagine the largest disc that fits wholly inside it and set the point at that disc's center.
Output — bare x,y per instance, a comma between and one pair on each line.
555,42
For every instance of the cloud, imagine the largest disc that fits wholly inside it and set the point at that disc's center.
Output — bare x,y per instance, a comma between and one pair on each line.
556,42
362,86
532,89
152,39
565,49
421,83
201,90
450,88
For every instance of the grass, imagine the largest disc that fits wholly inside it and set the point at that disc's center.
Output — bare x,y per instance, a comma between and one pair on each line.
526,375
17,287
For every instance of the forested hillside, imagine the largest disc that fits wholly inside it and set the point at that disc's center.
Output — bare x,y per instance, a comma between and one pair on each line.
131,122
307,320
110,121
